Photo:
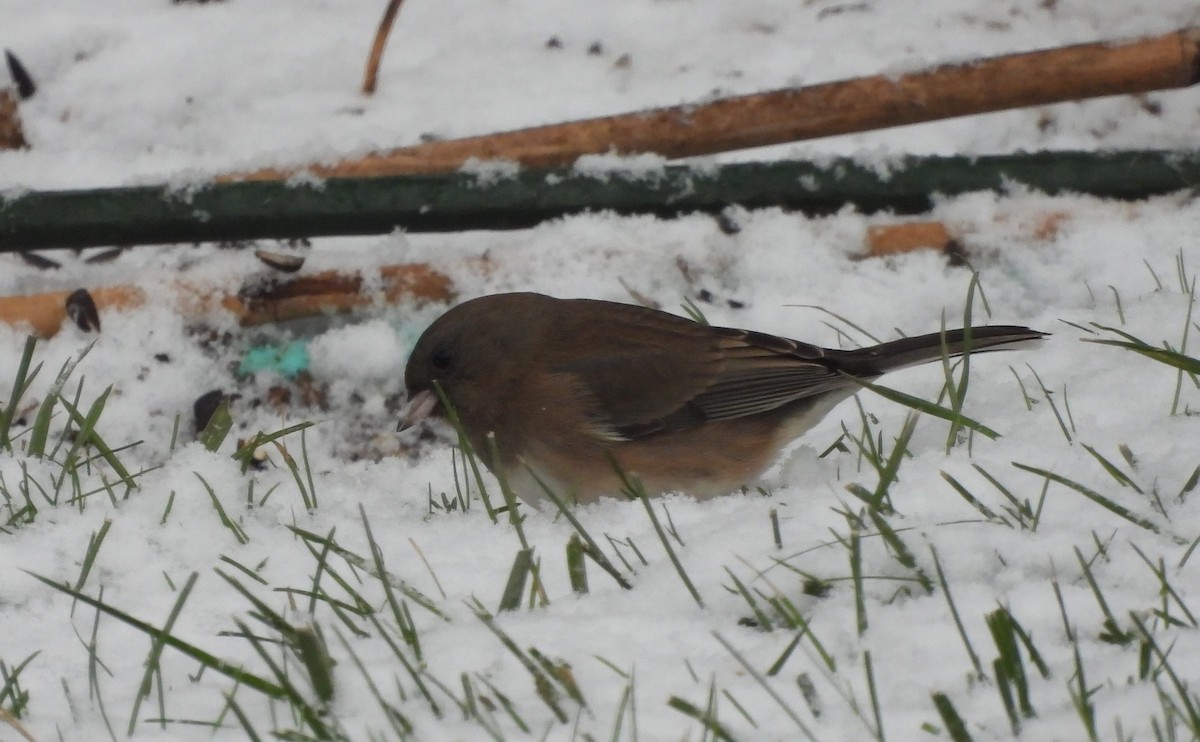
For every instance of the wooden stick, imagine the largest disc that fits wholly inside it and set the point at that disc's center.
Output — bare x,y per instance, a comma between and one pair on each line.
381,37
11,134
306,296
890,239
793,114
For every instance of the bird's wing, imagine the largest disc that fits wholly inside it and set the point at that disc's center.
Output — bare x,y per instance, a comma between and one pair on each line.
763,372
641,366
661,373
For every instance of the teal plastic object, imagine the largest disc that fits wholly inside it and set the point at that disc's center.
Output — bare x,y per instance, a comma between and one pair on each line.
285,360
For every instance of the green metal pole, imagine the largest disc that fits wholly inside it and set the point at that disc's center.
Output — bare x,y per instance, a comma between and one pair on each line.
461,201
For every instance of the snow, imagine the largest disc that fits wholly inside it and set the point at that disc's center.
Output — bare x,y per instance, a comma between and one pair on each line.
152,92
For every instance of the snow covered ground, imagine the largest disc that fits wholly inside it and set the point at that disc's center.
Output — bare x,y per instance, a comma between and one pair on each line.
146,91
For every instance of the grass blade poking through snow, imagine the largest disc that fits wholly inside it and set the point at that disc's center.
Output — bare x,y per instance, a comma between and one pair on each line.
1009,668
87,436
762,681
900,551
308,495
1167,355
957,390
515,587
841,319
887,473
1168,593
987,513
635,491
856,574
962,632
576,566
804,629
245,453
306,645
1053,407
234,528
358,562
400,612
399,722
955,726
464,446
152,661
524,565
543,682
1092,495
873,691
592,549
1081,695
310,646
760,620
1113,470
1187,706
20,385
235,673
89,557
1187,364
1112,632
39,432
510,498
929,408
216,430
13,698
706,716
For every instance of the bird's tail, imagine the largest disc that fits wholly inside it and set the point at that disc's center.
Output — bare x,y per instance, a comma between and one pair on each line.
912,351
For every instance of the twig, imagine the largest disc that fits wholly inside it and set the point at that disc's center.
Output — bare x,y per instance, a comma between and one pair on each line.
793,114
11,134
381,37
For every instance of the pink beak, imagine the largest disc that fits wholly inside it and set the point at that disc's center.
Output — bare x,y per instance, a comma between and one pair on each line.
419,407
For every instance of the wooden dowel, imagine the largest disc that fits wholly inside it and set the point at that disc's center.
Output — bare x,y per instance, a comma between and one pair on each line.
371,75
11,134
892,239
793,114
321,293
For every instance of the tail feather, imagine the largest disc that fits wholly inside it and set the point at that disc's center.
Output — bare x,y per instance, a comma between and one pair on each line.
912,351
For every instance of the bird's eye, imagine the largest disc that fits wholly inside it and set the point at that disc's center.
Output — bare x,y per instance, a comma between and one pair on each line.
441,359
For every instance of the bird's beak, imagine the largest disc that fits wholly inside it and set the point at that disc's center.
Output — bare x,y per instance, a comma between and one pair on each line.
419,407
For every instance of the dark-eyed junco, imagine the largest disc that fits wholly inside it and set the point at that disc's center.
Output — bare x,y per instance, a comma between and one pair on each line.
571,386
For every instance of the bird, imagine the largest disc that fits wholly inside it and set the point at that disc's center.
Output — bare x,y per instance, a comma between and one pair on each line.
584,396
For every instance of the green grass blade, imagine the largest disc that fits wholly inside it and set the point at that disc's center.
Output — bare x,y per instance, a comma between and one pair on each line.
156,648
962,632
593,549
88,435
929,408
576,566
218,426
1092,495
955,726
1171,358
515,587
766,686
20,385
888,475
704,716
634,489
230,671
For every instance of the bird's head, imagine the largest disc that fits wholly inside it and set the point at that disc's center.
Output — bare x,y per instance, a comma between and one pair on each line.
471,353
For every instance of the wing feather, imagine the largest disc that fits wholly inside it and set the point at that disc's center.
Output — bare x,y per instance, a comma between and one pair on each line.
658,372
